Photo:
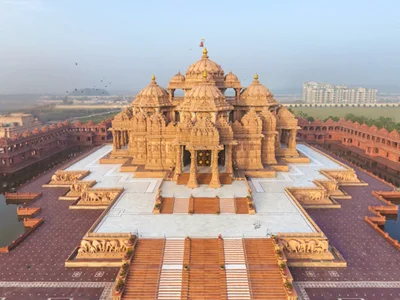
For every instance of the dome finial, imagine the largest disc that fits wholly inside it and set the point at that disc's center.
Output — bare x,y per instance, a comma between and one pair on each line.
205,52
153,77
205,74
256,77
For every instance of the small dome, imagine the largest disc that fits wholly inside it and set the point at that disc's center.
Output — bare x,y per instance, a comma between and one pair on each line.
284,113
231,77
257,94
178,78
152,96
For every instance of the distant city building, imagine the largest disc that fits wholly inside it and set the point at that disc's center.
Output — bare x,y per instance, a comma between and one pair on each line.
322,93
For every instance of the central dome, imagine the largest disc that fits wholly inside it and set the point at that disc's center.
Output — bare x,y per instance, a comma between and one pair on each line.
195,71
204,97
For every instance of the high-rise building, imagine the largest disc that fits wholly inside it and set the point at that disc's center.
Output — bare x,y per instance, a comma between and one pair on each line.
324,93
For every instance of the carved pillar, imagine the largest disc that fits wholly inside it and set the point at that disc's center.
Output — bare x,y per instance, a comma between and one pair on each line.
114,141
178,163
228,162
292,140
192,183
214,183
237,94
270,159
278,140
116,132
123,137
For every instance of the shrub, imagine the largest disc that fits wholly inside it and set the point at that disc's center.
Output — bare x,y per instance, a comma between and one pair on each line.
120,284
288,285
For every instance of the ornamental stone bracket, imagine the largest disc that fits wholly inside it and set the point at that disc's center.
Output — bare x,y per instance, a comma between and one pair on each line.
63,178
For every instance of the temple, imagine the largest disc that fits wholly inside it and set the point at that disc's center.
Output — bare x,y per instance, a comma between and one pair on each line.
205,130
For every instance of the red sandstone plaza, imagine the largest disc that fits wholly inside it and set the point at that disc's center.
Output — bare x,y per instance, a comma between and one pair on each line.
205,196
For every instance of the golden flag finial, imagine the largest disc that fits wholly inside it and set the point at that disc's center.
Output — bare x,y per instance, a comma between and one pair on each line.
205,74
256,77
205,52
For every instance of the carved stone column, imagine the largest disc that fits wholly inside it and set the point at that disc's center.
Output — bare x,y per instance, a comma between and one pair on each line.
123,138
114,141
192,183
292,140
116,137
270,159
228,162
214,183
278,140
178,163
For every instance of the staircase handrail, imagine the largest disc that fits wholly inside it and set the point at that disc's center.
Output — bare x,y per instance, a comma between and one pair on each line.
159,269
247,268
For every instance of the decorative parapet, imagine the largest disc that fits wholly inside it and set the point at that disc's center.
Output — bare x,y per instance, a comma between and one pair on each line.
63,178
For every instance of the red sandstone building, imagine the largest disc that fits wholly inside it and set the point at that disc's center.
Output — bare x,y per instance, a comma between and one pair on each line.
20,149
376,150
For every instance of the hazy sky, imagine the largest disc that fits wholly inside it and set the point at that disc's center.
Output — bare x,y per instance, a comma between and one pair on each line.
125,42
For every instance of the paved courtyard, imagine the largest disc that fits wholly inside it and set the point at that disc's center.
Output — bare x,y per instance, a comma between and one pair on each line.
35,269
276,212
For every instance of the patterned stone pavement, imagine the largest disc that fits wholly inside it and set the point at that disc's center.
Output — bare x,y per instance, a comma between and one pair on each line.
35,269
369,256
41,256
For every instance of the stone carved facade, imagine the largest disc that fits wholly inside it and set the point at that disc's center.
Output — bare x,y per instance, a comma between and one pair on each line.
103,247
79,186
161,131
310,195
97,196
306,246
342,176
62,177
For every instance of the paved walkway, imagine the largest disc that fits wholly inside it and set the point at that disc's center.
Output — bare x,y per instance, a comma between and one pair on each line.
370,258
276,212
40,257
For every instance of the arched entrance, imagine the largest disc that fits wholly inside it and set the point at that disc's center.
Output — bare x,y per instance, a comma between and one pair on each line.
186,157
221,157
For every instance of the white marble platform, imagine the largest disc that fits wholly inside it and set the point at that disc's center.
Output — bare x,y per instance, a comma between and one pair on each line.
275,210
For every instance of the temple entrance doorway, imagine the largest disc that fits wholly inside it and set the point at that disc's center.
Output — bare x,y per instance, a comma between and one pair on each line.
186,157
204,158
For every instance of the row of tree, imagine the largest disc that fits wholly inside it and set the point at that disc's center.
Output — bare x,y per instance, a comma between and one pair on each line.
381,122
